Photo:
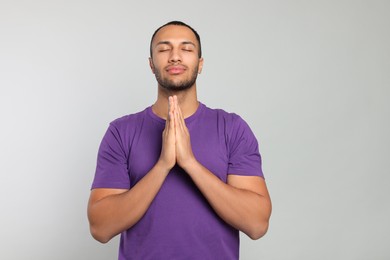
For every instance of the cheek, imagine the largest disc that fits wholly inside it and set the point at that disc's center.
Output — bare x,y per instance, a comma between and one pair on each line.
157,64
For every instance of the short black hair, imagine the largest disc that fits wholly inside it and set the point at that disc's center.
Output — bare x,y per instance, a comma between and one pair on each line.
180,24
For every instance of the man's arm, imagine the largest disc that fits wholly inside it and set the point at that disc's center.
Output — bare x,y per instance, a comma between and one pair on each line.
111,211
243,202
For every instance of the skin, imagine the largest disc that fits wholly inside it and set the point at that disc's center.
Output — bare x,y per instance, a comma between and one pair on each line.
243,202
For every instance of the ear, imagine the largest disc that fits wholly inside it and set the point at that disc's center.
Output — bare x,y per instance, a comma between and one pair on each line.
151,65
200,66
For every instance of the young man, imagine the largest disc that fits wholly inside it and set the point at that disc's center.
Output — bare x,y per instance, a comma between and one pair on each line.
178,180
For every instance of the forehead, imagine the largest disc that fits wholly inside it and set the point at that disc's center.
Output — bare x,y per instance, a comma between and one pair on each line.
175,33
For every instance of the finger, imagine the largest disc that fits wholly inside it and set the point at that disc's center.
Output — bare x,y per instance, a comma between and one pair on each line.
169,105
178,122
180,118
174,101
172,122
176,104
180,113
171,118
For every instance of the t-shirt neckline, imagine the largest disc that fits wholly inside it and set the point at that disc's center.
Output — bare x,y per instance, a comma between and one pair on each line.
187,120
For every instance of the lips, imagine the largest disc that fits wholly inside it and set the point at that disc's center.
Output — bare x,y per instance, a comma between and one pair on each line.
175,69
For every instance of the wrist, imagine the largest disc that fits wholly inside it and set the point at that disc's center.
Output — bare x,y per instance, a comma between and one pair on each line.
163,166
189,164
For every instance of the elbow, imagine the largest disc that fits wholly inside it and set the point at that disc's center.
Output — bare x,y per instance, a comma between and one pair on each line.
258,231
98,235
260,226
98,230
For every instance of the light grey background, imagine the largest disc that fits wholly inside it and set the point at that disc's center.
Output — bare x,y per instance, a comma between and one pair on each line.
312,79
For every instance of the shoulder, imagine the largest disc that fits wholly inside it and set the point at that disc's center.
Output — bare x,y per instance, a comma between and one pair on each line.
123,129
128,122
230,125
220,113
229,119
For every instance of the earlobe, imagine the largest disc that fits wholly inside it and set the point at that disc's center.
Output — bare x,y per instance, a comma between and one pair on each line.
200,67
151,65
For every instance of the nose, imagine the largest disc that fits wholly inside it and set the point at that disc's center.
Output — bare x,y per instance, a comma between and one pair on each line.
175,56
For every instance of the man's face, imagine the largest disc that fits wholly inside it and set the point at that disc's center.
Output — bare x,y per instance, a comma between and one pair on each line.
175,61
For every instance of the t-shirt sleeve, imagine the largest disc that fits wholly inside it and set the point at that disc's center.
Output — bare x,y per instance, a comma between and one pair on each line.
111,168
244,155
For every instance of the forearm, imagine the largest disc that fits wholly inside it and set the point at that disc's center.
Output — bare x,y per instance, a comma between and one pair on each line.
112,214
245,210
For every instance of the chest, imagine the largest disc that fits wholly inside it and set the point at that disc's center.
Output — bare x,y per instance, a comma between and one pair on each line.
208,144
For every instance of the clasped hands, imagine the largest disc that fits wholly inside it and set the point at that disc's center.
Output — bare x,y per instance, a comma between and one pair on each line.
176,143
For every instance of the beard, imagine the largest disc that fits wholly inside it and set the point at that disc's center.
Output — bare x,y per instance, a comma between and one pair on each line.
172,85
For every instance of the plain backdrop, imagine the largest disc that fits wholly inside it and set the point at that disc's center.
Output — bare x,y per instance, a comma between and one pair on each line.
311,78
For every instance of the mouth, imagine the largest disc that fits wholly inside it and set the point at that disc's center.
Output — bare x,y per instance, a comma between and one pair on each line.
175,69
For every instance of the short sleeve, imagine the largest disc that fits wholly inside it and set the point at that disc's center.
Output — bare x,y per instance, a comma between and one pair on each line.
111,168
244,155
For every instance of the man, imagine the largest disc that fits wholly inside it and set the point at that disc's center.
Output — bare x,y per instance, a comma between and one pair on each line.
178,180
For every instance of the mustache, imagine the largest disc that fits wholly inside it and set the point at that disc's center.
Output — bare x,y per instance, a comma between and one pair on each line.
175,66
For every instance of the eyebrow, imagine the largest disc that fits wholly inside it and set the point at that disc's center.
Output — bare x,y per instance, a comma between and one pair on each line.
169,43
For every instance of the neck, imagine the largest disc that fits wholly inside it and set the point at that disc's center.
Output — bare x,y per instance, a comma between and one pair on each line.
188,102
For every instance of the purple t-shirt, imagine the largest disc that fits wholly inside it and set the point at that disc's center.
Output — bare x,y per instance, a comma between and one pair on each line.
180,223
